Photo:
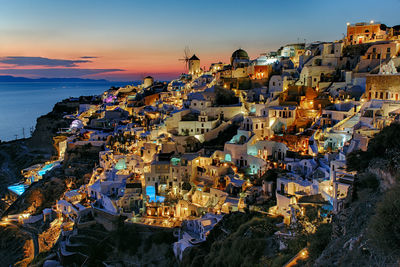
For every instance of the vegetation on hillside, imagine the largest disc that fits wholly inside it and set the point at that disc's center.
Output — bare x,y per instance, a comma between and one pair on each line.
240,239
384,227
366,232
225,97
385,145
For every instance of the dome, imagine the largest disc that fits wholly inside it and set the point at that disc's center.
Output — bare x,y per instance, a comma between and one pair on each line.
240,54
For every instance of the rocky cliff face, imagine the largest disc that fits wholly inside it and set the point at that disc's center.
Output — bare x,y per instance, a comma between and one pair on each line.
16,246
15,156
350,243
20,154
48,125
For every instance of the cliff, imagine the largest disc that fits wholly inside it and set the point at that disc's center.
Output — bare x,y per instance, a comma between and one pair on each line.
19,154
16,246
48,125
366,231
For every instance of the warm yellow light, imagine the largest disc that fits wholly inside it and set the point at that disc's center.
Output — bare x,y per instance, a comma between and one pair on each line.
348,23
372,22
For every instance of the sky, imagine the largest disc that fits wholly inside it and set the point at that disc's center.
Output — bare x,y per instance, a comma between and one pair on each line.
127,40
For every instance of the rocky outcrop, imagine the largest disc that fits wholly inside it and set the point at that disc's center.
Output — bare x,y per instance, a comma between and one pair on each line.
48,125
15,156
387,177
16,246
349,244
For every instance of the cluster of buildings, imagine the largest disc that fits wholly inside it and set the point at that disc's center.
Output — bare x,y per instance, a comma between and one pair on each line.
299,110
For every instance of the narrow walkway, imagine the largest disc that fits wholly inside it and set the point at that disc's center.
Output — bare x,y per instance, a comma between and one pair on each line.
301,255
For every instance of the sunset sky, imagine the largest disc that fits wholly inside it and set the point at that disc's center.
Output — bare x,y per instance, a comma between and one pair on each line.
124,40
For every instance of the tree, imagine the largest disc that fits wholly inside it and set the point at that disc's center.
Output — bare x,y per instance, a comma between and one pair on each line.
320,240
186,186
225,97
385,145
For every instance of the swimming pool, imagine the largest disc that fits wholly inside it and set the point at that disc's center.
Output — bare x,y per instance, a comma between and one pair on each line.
151,192
18,189
46,168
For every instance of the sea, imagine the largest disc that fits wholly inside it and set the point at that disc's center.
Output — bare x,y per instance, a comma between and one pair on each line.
21,103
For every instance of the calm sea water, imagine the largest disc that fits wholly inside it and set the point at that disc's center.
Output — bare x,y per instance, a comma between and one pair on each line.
22,103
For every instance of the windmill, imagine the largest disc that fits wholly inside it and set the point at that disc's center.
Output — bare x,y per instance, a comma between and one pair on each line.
186,56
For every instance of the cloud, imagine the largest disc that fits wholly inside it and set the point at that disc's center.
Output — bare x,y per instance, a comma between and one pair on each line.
41,61
57,72
85,57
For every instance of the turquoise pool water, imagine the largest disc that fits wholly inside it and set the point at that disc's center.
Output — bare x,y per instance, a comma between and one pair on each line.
18,189
45,169
151,192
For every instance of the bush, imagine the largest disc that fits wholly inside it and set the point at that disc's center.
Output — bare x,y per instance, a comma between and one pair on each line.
225,97
357,161
385,145
127,239
238,240
319,240
384,227
368,180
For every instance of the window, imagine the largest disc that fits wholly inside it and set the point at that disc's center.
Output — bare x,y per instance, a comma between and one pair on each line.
388,49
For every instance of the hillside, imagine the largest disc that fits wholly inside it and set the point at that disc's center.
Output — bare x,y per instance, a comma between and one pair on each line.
366,232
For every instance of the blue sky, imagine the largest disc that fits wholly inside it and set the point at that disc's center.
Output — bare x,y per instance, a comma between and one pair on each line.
132,38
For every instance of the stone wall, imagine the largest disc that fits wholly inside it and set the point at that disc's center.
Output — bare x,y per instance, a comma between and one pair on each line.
382,83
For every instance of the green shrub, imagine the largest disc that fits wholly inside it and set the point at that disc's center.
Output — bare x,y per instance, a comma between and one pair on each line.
384,227
225,97
385,145
368,180
319,240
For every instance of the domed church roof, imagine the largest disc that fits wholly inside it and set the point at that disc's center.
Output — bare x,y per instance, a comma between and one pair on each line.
240,54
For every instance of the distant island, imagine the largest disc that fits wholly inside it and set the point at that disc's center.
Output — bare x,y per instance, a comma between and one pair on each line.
8,78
